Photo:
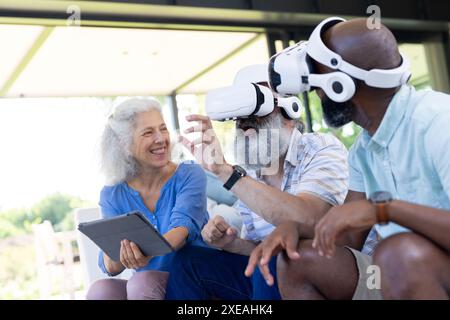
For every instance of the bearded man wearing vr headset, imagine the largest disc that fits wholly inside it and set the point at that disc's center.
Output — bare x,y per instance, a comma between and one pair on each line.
291,176
399,187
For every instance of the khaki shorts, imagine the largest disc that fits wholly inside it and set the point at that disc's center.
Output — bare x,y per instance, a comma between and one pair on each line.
362,291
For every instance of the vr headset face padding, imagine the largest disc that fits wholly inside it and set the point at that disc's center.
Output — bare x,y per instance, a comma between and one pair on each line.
239,101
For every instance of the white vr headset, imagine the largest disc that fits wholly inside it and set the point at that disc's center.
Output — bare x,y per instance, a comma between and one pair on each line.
291,70
247,98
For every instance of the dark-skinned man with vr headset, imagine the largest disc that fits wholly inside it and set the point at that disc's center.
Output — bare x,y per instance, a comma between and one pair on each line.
397,210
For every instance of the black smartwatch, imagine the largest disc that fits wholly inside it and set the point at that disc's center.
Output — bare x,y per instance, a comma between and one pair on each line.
238,172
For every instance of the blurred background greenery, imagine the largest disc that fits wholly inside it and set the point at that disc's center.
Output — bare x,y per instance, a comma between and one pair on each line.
18,279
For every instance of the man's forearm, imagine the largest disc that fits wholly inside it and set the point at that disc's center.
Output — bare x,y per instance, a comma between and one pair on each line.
430,222
240,246
272,204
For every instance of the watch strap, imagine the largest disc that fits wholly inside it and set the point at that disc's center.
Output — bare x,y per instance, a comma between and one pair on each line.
381,212
235,176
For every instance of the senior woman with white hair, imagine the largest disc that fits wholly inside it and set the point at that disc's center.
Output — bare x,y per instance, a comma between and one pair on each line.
135,157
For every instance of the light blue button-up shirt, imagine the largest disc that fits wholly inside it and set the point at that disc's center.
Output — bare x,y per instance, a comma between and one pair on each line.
409,154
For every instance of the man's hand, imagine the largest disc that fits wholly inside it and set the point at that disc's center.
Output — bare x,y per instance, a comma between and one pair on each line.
218,233
131,256
285,237
354,216
206,149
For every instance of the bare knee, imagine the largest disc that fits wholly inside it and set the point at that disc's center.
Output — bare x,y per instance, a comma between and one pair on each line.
107,289
308,257
315,277
405,250
293,274
403,260
147,285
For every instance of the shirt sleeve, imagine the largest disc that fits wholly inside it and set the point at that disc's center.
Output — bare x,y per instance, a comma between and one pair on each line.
106,203
326,174
356,179
437,144
107,210
190,205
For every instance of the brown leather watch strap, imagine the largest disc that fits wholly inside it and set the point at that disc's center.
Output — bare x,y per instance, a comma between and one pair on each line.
382,212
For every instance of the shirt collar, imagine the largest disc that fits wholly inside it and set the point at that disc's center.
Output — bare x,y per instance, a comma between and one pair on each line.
391,120
292,153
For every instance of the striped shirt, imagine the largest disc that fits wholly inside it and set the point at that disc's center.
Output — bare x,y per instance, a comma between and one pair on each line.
370,243
316,164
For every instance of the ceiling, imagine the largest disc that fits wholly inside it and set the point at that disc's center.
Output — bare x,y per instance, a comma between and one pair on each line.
42,61
58,61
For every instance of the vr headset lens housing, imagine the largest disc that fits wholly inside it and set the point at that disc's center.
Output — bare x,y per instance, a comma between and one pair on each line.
287,68
239,101
246,98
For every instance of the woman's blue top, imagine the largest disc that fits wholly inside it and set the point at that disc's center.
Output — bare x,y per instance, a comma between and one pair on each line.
181,203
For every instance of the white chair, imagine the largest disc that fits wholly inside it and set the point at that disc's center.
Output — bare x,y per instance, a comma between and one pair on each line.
89,250
53,251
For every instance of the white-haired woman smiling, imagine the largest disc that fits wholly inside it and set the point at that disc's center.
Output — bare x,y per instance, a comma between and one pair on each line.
135,157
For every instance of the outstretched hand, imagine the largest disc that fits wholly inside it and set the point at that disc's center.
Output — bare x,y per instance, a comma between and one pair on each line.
353,216
284,238
206,149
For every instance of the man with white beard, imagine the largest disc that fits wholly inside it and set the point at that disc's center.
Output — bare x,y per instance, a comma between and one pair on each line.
291,176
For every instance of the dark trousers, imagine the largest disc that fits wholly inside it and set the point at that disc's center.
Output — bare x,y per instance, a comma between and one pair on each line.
199,273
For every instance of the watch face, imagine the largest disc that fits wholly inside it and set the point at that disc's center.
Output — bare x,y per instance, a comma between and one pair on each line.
380,196
241,170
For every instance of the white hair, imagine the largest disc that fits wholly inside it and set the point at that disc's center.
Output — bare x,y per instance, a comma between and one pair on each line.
116,161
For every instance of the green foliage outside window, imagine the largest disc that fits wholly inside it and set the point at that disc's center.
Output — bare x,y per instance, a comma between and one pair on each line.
57,208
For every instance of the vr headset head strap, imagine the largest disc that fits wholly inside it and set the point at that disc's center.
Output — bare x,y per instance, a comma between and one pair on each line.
378,78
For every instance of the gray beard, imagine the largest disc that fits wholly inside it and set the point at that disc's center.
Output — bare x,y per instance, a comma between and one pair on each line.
263,149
